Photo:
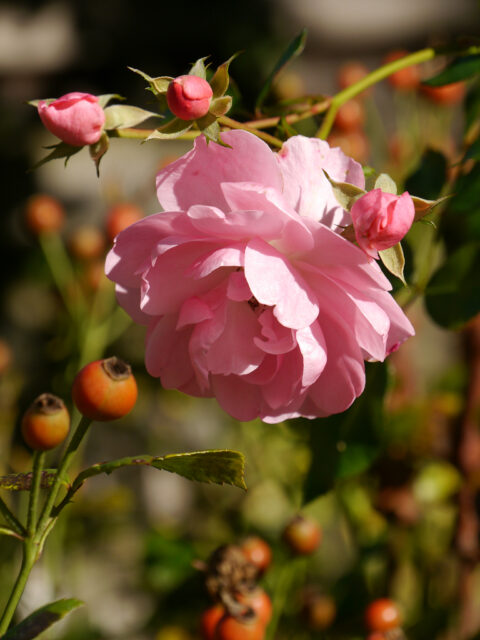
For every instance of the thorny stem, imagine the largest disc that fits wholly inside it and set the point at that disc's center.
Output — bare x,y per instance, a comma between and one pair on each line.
233,124
291,118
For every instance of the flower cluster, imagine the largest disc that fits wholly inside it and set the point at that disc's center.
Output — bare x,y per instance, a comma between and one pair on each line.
249,292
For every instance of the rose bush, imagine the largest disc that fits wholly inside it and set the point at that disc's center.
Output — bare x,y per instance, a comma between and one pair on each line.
248,291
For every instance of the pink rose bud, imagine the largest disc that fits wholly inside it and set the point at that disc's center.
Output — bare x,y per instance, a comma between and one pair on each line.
189,97
76,118
381,220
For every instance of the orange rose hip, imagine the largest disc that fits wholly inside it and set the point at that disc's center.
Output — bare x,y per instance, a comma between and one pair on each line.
46,423
105,389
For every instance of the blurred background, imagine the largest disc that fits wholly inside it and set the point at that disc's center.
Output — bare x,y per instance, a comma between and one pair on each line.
389,512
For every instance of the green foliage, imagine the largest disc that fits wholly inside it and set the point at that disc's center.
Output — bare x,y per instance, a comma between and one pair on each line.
428,179
293,50
42,619
461,68
346,444
453,293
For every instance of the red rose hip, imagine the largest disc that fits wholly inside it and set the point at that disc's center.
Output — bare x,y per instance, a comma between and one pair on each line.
229,628
105,389
302,535
259,602
209,622
44,214
382,615
46,423
257,552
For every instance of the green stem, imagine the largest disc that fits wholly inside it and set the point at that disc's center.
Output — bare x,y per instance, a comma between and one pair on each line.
61,270
95,334
65,463
38,462
142,134
28,560
375,76
233,124
11,519
283,586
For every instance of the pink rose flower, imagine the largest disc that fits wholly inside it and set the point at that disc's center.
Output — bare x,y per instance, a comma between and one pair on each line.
248,291
76,118
189,97
381,220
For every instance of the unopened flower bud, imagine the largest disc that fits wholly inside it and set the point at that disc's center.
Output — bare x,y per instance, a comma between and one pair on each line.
76,118
381,220
189,97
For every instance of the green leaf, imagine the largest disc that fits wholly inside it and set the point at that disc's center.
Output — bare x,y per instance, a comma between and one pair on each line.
42,619
461,68
212,134
452,296
345,193
172,129
221,79
347,443
158,86
119,116
206,121
105,98
424,207
98,150
386,184
215,466
293,50
199,69
220,106
428,179
23,481
394,260
60,150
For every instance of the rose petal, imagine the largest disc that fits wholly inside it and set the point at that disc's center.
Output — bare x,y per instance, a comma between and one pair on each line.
196,177
273,281
306,188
